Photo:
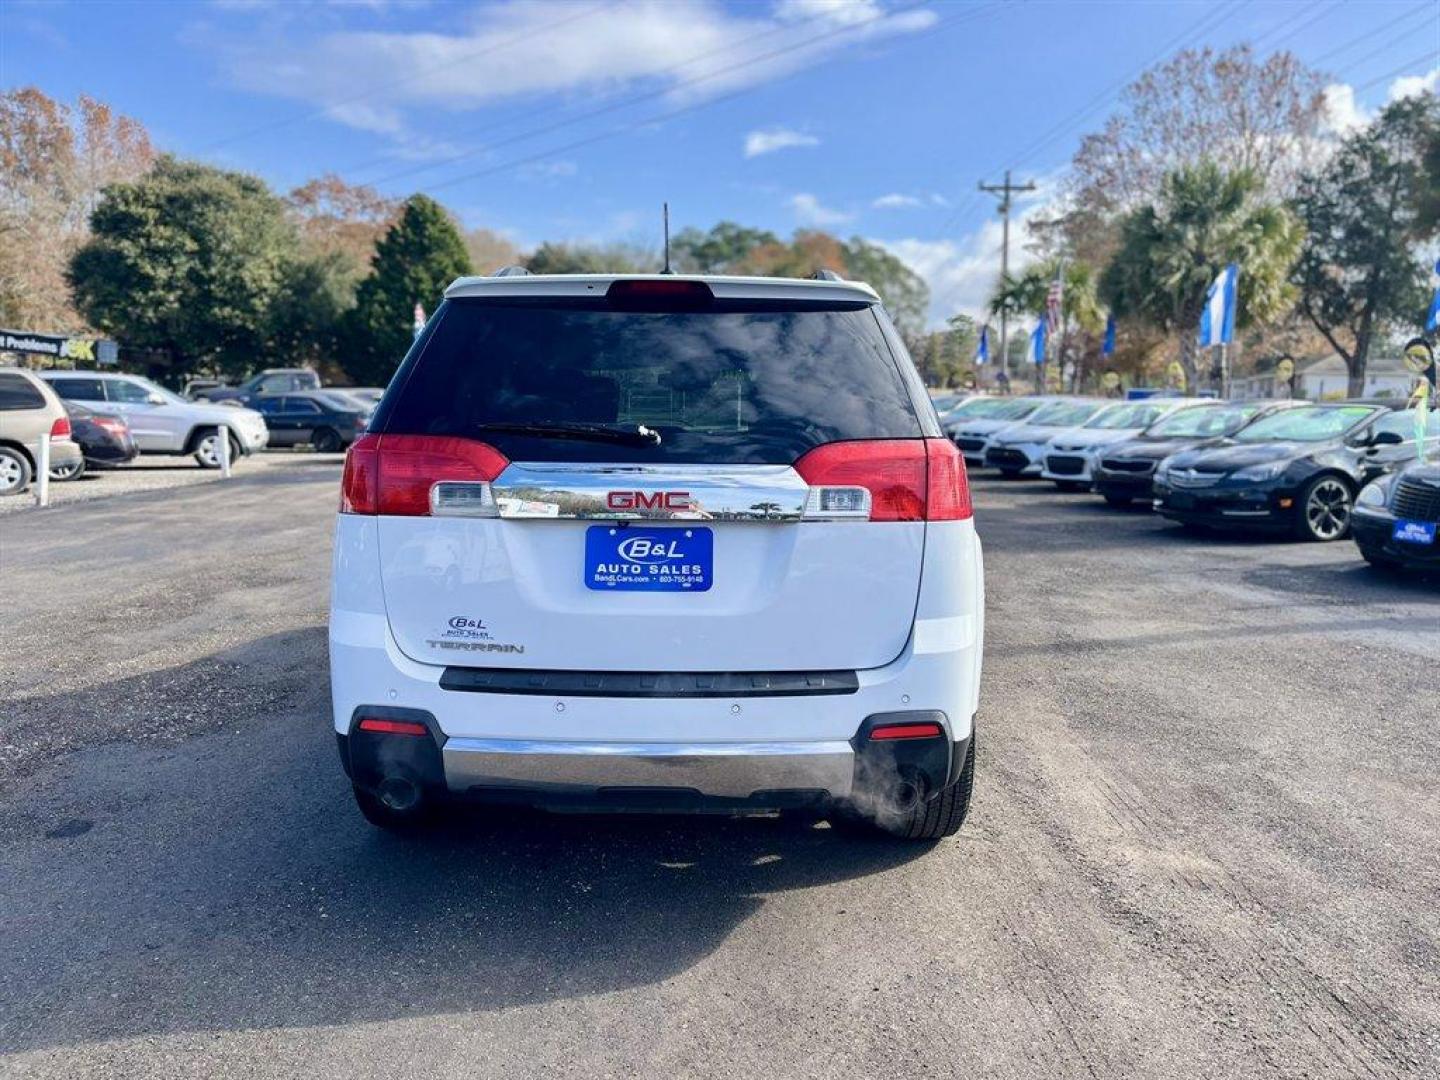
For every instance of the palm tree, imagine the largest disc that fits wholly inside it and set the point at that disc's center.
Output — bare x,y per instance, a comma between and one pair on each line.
1026,293
1172,249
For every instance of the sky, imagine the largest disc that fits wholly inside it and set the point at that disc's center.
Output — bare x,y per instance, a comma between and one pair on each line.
574,119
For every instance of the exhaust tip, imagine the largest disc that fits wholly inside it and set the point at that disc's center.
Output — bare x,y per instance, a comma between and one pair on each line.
904,795
399,794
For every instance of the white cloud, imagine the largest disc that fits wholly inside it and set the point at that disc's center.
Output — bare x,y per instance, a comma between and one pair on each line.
1343,114
896,201
688,49
810,211
772,139
1411,85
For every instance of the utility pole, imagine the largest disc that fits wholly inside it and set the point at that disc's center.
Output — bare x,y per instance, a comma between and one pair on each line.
1005,191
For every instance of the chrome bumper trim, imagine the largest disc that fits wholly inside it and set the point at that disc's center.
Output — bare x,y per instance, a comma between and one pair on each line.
731,770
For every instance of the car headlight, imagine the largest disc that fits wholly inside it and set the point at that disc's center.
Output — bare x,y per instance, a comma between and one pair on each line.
1374,495
1268,471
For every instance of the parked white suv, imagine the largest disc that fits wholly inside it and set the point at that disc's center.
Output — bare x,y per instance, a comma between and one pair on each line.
684,543
162,422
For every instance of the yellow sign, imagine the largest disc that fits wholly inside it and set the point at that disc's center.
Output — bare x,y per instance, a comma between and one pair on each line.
1284,369
1417,357
1111,380
1177,372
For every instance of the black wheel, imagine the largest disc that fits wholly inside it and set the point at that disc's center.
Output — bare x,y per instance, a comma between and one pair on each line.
14,471
326,441
936,818
70,471
1322,512
1120,502
207,450
399,812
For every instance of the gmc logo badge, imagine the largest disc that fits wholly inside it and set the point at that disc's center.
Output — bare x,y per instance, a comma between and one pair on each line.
648,500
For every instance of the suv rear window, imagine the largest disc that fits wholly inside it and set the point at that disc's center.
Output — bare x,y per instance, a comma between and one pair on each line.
17,393
736,383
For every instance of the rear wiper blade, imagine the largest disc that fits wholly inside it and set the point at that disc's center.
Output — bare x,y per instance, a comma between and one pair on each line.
639,435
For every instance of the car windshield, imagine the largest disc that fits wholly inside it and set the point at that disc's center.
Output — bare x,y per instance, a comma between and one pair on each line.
1203,421
1313,424
1066,413
984,409
740,382
1136,414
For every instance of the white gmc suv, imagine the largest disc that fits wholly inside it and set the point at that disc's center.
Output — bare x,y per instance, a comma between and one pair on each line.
658,543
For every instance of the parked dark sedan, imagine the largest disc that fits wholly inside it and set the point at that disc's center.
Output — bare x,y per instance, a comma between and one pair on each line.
1123,473
105,441
327,420
1397,517
1297,471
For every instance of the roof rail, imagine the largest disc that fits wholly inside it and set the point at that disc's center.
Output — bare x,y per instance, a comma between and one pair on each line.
825,275
513,270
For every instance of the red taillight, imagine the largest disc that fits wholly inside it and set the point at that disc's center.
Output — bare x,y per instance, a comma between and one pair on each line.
110,424
60,429
393,727
949,485
393,474
659,294
908,479
906,731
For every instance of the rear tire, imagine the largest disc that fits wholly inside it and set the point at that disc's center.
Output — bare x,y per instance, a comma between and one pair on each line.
206,450
1322,512
378,813
72,471
935,818
1120,502
14,471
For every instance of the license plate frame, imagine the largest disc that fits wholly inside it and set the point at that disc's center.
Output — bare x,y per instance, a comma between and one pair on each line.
636,558
1419,533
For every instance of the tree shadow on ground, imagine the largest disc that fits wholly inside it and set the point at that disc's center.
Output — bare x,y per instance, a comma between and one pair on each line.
228,883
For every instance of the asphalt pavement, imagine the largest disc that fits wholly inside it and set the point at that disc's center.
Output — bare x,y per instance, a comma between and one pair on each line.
1205,839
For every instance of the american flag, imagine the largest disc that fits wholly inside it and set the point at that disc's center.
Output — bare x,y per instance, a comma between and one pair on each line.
1053,299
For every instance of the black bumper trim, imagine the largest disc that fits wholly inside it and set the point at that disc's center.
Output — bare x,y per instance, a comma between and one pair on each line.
649,684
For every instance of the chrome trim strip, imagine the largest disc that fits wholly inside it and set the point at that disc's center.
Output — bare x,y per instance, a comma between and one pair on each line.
732,770
590,492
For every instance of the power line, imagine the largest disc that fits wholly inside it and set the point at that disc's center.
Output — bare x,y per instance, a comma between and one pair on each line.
545,110
661,117
325,109
1429,56
1347,46
648,95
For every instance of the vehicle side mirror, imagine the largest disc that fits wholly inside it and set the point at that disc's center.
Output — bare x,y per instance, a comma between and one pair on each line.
1386,438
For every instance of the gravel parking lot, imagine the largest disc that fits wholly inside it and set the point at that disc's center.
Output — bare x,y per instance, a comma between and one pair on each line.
154,473
1204,840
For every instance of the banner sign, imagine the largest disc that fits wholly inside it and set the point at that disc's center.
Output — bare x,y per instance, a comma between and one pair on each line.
79,349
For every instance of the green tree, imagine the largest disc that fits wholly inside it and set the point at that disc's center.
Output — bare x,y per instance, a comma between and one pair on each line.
306,319
1172,249
555,258
185,260
718,251
1364,214
414,263
903,291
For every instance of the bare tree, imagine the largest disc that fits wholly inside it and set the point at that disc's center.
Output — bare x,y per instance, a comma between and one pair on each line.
54,161
1244,114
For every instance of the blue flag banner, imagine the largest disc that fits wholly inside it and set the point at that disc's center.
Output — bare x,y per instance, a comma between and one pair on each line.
1217,321
1107,347
1432,320
982,347
1037,342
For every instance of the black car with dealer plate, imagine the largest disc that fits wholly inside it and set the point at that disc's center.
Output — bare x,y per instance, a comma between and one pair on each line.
1296,472
1397,517
1123,473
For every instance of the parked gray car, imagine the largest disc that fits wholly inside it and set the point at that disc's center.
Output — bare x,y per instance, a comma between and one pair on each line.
162,422
28,410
